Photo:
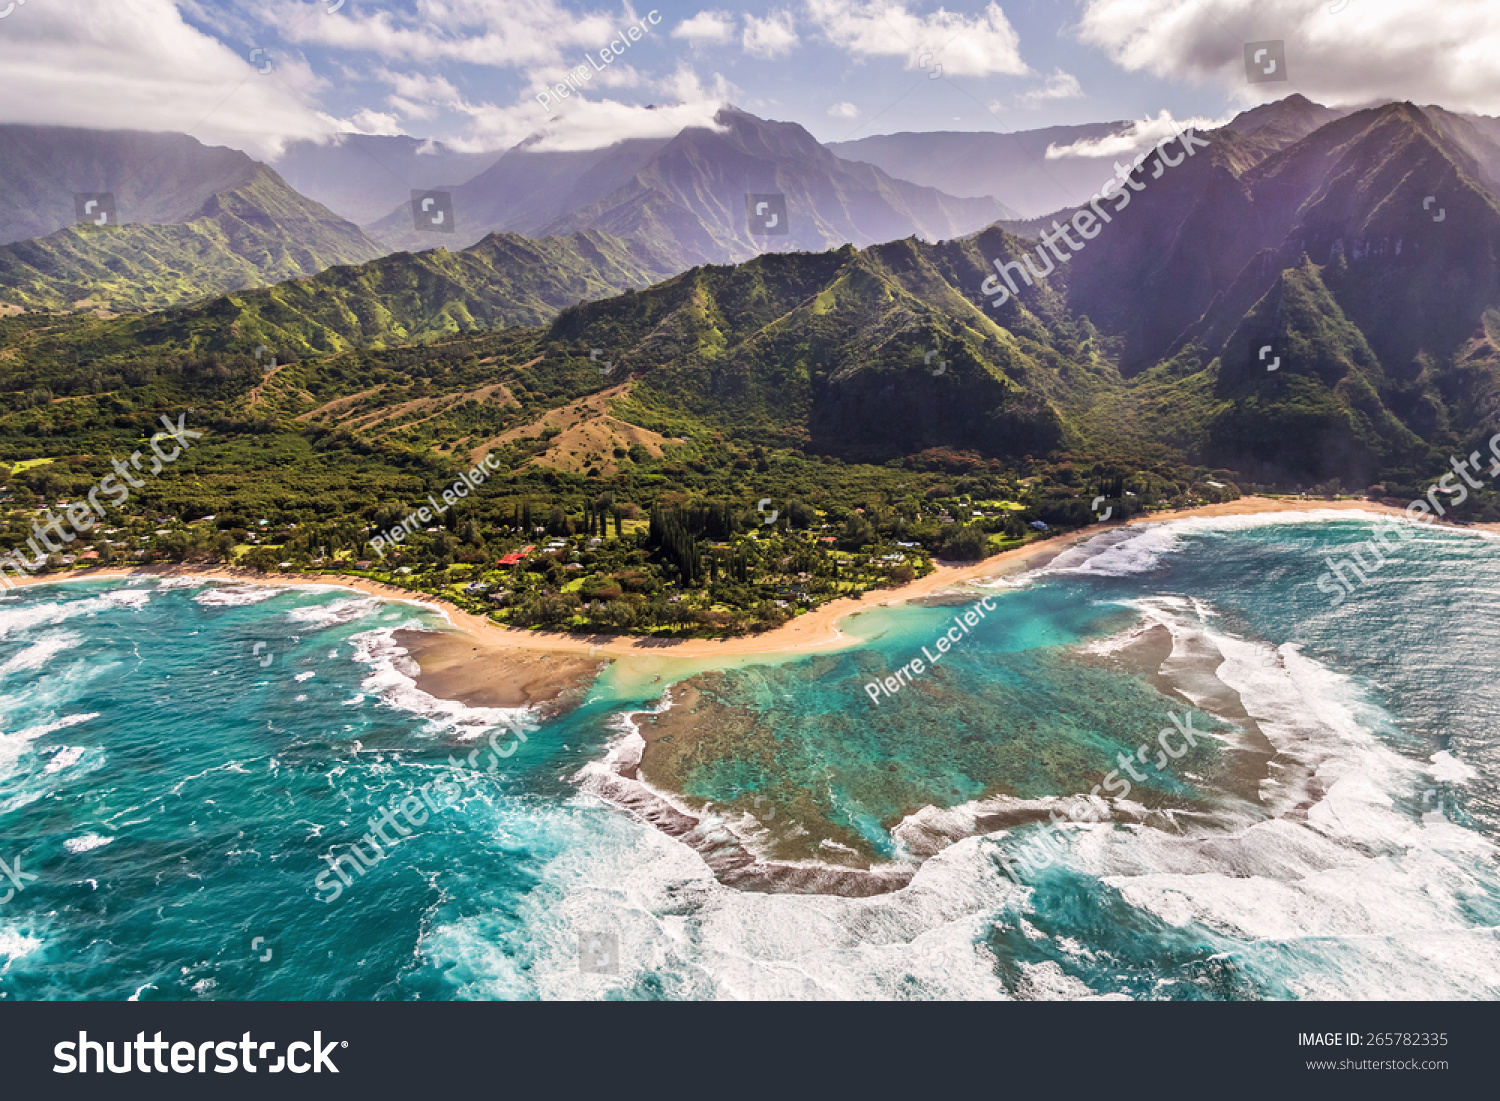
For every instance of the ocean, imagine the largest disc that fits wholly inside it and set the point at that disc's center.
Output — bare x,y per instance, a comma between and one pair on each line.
181,760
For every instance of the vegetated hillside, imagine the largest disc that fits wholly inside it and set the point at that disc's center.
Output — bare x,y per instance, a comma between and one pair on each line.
252,234
155,178
407,298
686,195
1136,351
869,355
1384,317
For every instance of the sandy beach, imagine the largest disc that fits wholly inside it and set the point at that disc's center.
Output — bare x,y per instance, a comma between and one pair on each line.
504,667
455,667
818,629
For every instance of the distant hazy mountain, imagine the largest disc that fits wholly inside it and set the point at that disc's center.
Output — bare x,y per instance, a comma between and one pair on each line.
153,177
687,195
189,221
526,189
1011,167
362,176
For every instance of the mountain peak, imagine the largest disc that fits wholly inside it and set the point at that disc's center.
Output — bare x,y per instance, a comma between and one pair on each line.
1292,118
155,177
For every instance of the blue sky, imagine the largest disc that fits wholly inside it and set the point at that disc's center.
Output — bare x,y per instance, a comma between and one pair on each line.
468,72
837,91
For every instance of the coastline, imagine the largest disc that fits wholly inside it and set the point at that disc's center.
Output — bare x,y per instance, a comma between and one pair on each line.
481,664
493,647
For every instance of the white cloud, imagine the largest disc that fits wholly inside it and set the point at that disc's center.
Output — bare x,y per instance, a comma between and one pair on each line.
770,37
1134,137
706,27
984,44
1447,53
844,111
372,122
417,95
420,86
580,122
1059,85
135,64
513,34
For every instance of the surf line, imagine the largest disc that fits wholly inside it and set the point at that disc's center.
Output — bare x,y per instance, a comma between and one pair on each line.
885,687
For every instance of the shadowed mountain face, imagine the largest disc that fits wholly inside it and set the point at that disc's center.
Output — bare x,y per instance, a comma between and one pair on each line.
159,178
686,196
1367,253
1379,198
362,176
1274,126
1476,135
1364,257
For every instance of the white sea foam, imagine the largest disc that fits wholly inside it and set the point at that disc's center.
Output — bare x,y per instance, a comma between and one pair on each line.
86,843
65,757
33,732
336,613
392,681
13,745
1116,553
26,616
1047,982
680,928
14,945
39,653
236,596
1448,769
1141,548
1343,877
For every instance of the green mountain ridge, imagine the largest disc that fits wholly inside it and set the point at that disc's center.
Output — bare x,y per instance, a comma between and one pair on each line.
1136,350
399,299
257,233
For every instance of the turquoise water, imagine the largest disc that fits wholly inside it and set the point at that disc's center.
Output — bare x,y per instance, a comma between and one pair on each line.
178,760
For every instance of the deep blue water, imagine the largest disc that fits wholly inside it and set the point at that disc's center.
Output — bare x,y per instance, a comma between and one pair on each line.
177,761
